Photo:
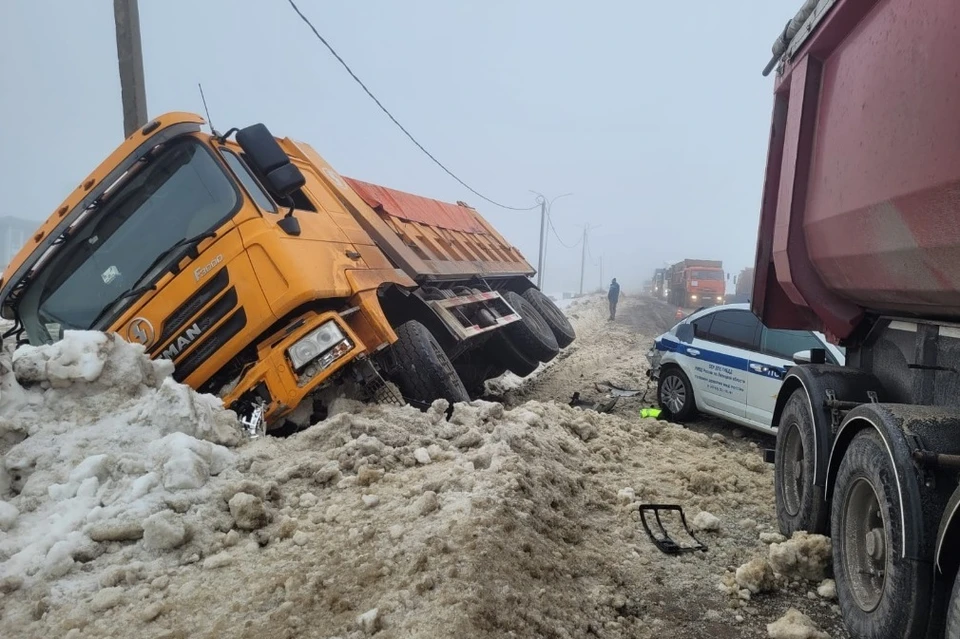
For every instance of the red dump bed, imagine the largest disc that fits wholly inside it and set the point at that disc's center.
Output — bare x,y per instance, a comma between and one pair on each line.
449,240
861,203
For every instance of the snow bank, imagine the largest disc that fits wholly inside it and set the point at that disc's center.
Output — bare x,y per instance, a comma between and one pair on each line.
795,625
96,440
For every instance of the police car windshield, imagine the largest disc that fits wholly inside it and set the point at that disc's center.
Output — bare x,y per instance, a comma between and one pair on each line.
180,192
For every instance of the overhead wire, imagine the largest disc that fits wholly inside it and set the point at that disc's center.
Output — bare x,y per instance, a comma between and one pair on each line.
557,235
395,121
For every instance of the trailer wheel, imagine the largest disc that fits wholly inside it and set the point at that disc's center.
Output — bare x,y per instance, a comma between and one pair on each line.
953,610
531,335
881,594
801,505
510,358
675,395
553,316
425,372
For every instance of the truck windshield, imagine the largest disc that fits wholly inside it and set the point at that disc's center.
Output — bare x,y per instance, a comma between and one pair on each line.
706,275
179,191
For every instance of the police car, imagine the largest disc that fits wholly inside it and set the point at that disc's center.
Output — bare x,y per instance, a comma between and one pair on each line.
724,362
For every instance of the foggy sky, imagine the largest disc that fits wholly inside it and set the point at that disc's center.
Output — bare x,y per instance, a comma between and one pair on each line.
654,115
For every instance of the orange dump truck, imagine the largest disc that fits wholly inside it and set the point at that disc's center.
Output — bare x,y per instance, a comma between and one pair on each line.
264,275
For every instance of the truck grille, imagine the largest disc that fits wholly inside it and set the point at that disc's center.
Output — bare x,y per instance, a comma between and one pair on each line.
209,344
179,318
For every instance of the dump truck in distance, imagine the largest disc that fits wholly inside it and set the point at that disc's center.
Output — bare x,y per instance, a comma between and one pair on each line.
264,275
659,284
859,237
696,283
743,287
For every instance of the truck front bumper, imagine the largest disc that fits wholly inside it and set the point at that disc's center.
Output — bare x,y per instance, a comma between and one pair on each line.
275,385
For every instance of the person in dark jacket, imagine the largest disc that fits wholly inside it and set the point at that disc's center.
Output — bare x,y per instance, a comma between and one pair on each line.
613,297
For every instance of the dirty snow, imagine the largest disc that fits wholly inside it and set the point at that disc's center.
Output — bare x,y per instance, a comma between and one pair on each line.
134,508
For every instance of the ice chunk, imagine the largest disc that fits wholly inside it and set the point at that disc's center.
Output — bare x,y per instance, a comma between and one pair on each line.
8,515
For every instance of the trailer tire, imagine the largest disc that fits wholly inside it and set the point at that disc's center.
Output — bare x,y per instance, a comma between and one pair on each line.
674,385
553,316
531,335
801,505
953,610
867,539
510,358
425,372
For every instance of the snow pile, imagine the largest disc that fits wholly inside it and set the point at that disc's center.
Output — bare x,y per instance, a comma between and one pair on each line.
795,625
380,519
803,558
97,444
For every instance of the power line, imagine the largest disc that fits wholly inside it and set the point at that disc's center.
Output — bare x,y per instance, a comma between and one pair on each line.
395,121
557,235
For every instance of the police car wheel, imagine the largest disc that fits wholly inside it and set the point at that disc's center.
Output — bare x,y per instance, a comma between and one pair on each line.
675,395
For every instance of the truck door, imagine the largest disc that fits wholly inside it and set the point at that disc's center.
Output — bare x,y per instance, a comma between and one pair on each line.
720,356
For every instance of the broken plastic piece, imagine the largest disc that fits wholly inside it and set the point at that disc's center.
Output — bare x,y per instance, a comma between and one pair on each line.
665,543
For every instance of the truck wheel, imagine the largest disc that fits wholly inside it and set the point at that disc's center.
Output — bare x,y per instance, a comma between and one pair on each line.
953,610
881,594
425,372
531,335
675,395
510,358
800,504
553,316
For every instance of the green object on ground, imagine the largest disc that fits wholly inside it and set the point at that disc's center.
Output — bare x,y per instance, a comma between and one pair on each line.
652,413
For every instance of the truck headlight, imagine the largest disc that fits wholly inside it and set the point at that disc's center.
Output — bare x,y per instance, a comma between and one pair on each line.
315,343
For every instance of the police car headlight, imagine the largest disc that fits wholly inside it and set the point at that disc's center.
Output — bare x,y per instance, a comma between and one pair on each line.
315,343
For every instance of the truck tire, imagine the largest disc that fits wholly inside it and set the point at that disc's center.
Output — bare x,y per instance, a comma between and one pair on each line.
867,539
510,358
801,505
953,610
531,335
675,395
553,316
425,372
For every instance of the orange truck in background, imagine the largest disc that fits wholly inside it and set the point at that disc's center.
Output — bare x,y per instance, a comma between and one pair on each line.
696,283
264,275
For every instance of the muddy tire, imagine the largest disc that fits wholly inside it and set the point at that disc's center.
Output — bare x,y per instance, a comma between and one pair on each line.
510,358
881,594
553,316
423,372
953,610
675,395
531,335
801,505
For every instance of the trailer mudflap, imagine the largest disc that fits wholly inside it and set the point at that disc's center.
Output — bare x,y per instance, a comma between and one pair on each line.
665,543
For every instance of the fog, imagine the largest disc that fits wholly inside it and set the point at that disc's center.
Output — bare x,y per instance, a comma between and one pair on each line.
654,116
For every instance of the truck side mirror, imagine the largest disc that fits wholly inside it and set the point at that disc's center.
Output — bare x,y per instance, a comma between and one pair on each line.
281,177
685,333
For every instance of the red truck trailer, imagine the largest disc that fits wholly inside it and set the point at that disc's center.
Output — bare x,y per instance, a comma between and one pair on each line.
859,237
696,283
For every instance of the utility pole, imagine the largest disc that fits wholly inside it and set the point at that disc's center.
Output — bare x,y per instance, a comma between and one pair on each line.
544,220
126,16
583,253
543,239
